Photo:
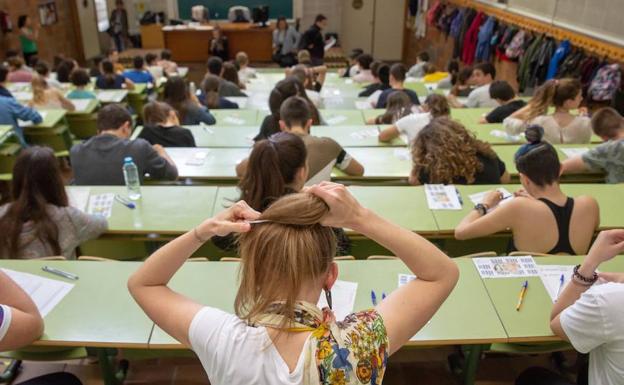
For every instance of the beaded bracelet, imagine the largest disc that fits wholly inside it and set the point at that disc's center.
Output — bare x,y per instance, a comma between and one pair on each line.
577,277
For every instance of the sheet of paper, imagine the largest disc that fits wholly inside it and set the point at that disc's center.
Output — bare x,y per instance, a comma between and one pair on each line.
506,267
506,136
403,154
81,104
336,119
551,278
234,120
101,204
478,197
46,293
79,197
25,123
405,278
571,152
197,158
22,95
362,105
343,298
363,134
330,43
442,197
109,96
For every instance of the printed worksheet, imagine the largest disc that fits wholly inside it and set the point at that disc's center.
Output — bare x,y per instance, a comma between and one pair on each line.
109,96
506,267
343,298
552,275
405,278
336,119
442,197
478,197
46,293
571,152
363,134
101,204
78,197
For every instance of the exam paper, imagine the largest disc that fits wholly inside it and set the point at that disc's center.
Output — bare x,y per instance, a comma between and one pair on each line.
571,152
234,120
46,293
551,278
363,134
403,154
478,197
362,105
23,123
336,119
405,278
197,158
101,204
108,96
78,197
506,267
330,43
442,197
343,298
81,104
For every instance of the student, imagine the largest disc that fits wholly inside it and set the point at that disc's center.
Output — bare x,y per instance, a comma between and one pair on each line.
483,75
17,72
291,86
212,100
505,96
399,106
287,263
11,111
169,67
45,97
364,74
352,66
139,74
154,69
80,80
64,69
188,107
562,126
397,79
219,45
303,57
38,222
110,80
4,71
542,218
312,79
453,69
94,71
285,42
435,106
445,152
323,153
245,72
230,74
227,88
99,160
162,127
432,75
381,80
276,167
461,84
43,71
608,124
418,69
113,56
313,41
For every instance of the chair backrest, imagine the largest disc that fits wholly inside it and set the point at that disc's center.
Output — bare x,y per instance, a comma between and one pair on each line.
344,258
197,259
381,257
521,253
52,258
236,10
480,255
230,259
98,259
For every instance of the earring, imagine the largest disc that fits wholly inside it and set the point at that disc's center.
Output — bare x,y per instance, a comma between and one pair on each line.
328,297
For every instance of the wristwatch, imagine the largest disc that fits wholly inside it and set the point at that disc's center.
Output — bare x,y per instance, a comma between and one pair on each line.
481,208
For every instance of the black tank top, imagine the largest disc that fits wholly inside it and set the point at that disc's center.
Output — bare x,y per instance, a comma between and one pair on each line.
563,216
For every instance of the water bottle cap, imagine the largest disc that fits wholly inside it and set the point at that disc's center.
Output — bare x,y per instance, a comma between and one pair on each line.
128,159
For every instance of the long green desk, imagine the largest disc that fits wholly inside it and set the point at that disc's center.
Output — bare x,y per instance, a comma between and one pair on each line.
111,96
342,117
235,117
214,284
218,165
52,119
90,108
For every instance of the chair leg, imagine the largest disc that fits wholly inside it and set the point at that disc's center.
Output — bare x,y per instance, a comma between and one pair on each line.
110,374
10,372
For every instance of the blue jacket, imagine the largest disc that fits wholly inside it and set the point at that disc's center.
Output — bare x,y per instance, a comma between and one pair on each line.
484,40
11,110
562,51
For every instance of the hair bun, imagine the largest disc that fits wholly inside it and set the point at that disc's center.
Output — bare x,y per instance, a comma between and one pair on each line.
534,134
299,209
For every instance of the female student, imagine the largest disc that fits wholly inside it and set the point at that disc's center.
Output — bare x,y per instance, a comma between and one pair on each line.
561,126
45,97
435,106
278,334
399,106
542,218
445,152
163,127
312,79
219,44
230,73
28,35
285,43
64,70
245,72
38,222
80,79
189,109
110,80
212,100
460,82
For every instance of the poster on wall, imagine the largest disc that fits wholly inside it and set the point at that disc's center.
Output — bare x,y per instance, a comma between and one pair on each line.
47,13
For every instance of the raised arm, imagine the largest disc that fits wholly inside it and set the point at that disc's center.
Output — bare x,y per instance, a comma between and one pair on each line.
26,324
476,225
172,311
410,307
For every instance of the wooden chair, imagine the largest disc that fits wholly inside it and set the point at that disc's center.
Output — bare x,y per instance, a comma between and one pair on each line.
197,259
522,253
230,259
99,259
480,255
381,257
53,258
344,258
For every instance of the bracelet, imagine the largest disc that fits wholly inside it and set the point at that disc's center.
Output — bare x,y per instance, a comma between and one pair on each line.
577,277
197,237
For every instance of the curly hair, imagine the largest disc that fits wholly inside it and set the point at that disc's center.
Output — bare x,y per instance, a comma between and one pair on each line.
445,151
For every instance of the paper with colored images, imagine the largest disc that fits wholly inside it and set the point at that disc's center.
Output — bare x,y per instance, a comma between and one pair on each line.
507,267
343,298
442,197
46,293
101,204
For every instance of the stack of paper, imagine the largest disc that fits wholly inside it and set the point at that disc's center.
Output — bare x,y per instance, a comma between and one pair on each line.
506,267
442,197
343,298
46,293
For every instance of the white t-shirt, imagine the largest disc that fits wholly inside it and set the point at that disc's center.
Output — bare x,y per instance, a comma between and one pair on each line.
595,324
411,125
480,98
5,320
233,353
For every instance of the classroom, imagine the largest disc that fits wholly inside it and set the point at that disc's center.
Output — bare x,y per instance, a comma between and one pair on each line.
319,192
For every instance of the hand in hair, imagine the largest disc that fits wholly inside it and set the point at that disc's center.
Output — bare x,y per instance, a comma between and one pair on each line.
232,220
344,209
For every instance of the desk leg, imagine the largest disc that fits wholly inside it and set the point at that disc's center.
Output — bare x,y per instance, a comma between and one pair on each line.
110,374
471,362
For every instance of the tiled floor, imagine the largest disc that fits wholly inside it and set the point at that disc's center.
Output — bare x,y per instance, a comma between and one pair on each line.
416,367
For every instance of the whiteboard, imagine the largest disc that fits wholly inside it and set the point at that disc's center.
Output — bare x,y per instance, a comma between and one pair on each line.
599,18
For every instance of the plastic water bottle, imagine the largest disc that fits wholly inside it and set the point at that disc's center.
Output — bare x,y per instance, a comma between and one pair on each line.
131,177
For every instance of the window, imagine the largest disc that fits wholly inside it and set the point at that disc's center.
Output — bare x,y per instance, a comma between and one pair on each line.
101,14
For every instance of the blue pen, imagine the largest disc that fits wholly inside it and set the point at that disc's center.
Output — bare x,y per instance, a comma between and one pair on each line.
383,296
561,280
461,201
373,298
124,202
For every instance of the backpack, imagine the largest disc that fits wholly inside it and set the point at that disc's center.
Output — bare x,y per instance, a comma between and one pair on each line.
606,83
515,49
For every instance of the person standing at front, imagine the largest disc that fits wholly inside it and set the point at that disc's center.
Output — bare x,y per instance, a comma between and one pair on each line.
313,40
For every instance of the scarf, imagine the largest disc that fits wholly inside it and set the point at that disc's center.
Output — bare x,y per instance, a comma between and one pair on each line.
352,352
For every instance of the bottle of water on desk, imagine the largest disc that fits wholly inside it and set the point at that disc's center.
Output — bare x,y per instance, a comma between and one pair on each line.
131,176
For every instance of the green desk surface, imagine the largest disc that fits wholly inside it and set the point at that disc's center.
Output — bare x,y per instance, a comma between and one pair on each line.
235,117
379,163
219,163
354,136
341,103
98,311
419,87
52,118
214,284
161,209
5,132
342,117
372,113
91,107
532,322
111,96
139,88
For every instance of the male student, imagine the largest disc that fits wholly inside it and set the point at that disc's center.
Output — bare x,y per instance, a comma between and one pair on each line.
483,74
323,153
11,111
505,96
313,41
418,69
397,80
226,88
4,71
608,124
139,74
381,79
99,160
